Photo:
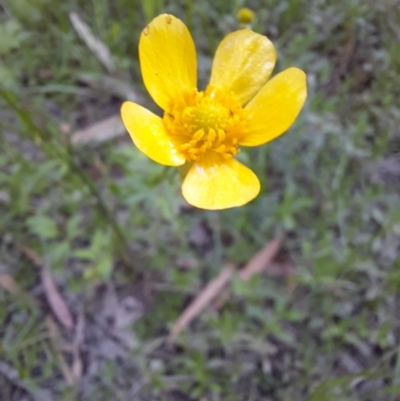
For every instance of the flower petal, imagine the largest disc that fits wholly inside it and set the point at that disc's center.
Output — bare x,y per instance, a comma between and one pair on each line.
167,59
148,134
275,108
215,183
242,64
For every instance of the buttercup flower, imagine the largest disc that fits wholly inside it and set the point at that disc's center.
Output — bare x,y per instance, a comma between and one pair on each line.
206,128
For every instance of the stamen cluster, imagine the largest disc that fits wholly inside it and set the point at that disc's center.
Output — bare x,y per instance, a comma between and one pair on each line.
202,122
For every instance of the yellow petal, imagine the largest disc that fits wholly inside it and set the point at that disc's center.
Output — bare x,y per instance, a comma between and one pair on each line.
215,183
242,64
275,108
167,59
148,134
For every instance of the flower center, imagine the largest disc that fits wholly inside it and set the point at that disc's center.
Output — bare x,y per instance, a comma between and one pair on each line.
203,122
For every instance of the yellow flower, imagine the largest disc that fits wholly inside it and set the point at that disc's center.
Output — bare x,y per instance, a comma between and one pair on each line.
206,128
245,16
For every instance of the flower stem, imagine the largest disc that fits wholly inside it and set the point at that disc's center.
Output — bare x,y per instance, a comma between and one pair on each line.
54,150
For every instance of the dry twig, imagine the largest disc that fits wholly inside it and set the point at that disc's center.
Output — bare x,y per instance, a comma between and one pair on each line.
212,289
53,296
261,260
55,336
99,49
257,264
99,132
8,283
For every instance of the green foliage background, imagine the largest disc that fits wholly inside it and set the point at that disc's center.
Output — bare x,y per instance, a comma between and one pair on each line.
103,216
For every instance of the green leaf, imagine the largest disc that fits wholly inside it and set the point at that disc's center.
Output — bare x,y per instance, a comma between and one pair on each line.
73,226
7,77
104,266
59,252
86,253
42,226
11,35
100,241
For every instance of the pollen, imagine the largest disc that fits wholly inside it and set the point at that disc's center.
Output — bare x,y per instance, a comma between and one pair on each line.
201,123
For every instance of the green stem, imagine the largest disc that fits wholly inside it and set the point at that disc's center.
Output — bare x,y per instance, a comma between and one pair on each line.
54,150
189,14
